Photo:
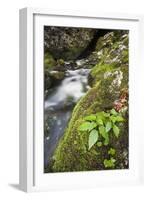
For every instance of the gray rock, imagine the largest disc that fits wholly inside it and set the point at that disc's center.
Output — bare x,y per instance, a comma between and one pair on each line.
66,43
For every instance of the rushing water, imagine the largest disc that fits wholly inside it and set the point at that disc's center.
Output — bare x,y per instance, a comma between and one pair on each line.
59,105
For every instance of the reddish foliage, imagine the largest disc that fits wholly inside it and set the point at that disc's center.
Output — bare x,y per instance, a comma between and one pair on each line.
122,101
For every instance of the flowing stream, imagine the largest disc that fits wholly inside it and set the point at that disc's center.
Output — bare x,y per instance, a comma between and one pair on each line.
58,108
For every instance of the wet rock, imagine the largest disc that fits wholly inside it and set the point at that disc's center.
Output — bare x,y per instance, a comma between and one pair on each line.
67,43
52,79
57,75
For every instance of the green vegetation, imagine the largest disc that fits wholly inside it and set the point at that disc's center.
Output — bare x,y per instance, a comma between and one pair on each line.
99,126
60,62
112,151
49,61
109,163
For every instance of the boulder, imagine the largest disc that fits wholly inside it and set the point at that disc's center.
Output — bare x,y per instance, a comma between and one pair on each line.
66,43
51,79
72,153
57,75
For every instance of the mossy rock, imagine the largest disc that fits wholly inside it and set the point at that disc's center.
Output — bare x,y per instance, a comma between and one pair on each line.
52,78
49,61
47,80
113,53
113,47
72,153
57,75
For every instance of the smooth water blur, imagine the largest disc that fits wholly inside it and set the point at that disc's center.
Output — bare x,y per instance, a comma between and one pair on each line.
73,86
59,105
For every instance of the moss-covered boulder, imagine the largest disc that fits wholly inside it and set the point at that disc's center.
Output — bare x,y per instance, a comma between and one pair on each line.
112,52
109,89
72,153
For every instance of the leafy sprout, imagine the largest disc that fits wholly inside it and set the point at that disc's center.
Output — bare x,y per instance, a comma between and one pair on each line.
99,126
111,151
109,163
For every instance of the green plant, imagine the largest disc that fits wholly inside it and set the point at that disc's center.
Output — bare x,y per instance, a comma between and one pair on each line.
111,151
109,163
100,125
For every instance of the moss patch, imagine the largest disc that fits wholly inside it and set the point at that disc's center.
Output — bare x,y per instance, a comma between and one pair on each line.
49,61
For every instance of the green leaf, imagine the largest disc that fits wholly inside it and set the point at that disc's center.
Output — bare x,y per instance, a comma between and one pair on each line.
91,118
93,137
111,151
92,126
99,144
108,126
87,126
116,130
113,112
119,119
106,142
104,134
102,131
99,121
109,163
113,160
106,114
113,118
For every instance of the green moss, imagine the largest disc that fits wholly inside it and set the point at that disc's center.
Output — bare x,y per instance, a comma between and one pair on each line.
49,61
113,51
60,61
97,73
125,56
